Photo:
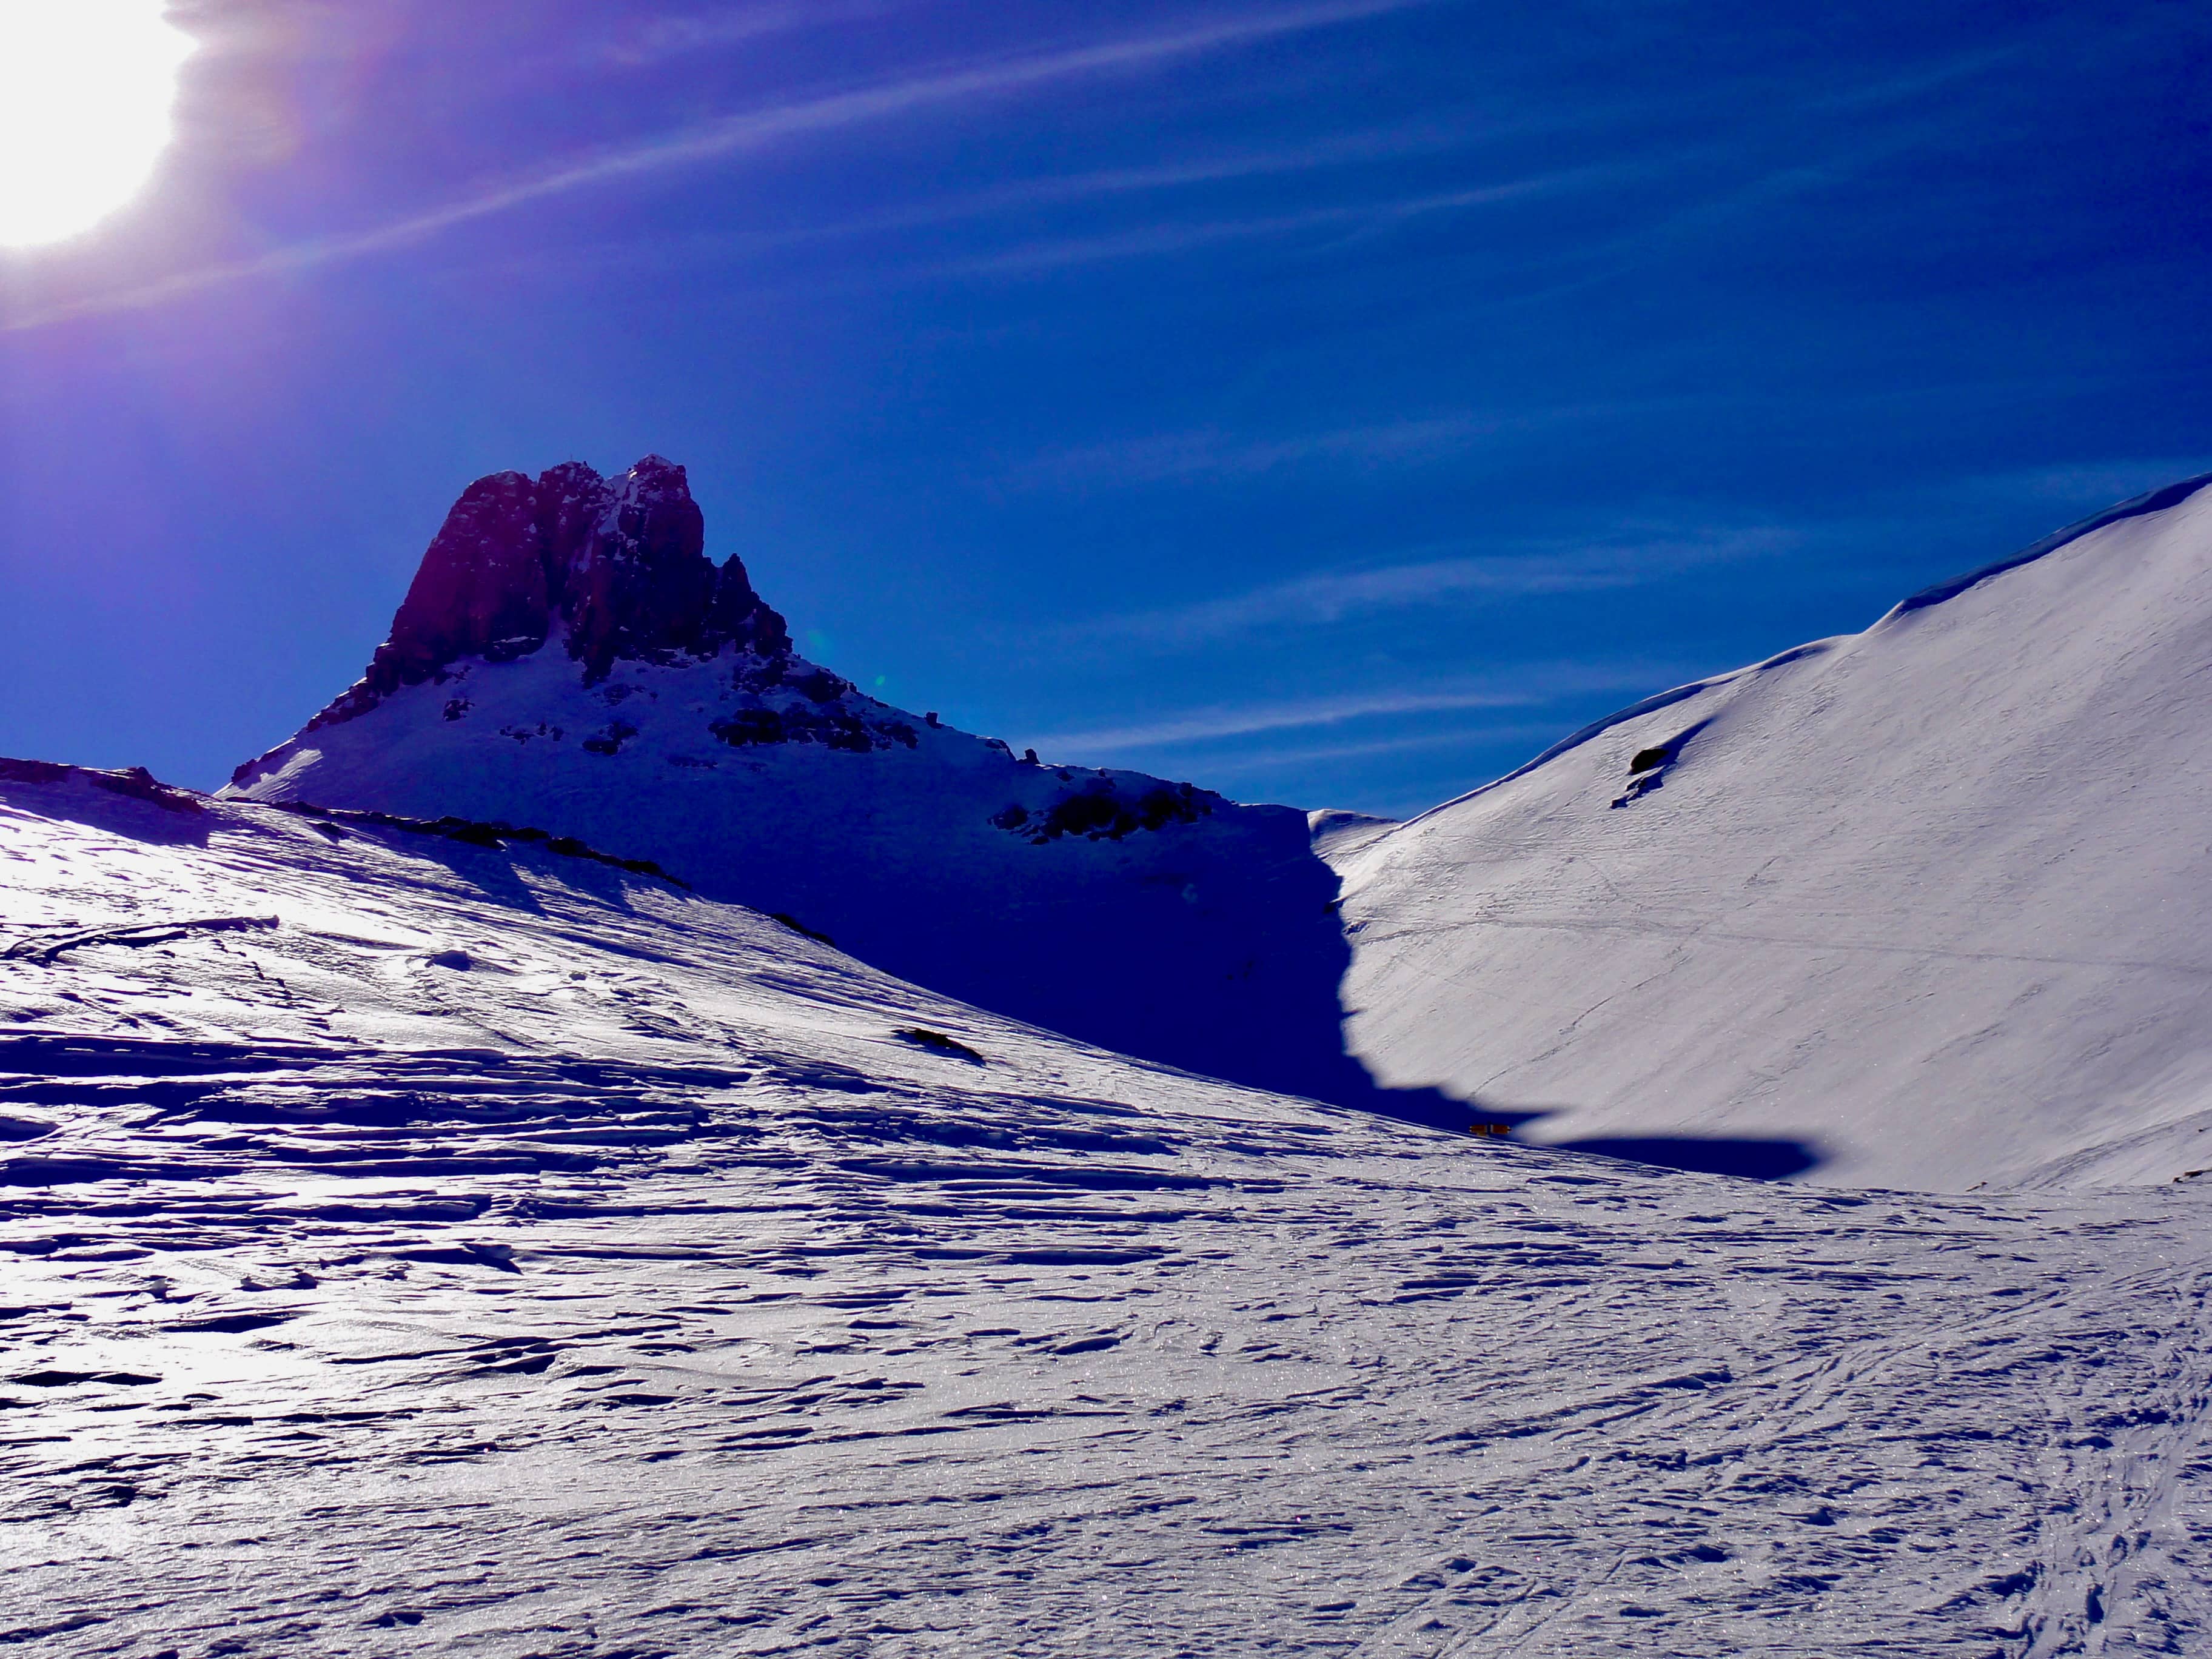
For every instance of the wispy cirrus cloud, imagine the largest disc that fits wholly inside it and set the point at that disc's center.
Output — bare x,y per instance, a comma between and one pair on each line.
1461,736
1151,241
656,39
1211,723
1530,688
1090,188
1212,453
1330,597
723,137
1354,220
1337,150
2085,482
1157,239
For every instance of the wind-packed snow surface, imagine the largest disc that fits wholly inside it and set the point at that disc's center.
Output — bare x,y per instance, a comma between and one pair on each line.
415,1243
1929,906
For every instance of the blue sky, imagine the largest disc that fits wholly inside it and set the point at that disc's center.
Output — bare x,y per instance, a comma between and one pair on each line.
1330,402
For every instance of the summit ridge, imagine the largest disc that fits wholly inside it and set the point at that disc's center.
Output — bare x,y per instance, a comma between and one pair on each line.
614,567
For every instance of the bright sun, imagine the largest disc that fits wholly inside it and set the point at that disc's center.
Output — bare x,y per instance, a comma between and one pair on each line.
88,89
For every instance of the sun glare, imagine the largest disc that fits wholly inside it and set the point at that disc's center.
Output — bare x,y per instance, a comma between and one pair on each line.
88,94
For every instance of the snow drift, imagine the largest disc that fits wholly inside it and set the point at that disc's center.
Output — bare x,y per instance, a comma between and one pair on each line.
425,1240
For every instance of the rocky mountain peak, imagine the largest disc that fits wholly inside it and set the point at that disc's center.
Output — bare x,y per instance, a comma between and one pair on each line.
617,569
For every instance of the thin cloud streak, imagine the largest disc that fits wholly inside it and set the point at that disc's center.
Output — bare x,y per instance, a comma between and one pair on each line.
1278,717
1348,151
1329,598
1201,454
1260,760
1351,149
736,134
1532,690
1174,238
2087,481
657,39
1212,454
1362,219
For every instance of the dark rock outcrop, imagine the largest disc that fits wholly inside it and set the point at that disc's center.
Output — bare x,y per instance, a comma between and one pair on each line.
481,588
135,782
1097,812
615,568
495,835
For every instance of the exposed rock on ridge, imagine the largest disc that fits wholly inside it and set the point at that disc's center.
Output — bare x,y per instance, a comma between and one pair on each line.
617,568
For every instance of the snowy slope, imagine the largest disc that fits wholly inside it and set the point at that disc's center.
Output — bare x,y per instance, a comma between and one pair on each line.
1929,906
409,1245
1149,917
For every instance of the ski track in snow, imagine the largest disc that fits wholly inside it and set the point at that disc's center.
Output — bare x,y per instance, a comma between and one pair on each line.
505,1254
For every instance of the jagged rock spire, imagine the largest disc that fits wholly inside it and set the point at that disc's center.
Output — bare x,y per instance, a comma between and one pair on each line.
617,568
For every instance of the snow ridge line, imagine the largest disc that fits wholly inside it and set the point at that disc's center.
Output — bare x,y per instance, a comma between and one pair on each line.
2153,500
1649,705
492,835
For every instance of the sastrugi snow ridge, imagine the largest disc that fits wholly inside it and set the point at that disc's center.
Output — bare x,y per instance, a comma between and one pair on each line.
420,1246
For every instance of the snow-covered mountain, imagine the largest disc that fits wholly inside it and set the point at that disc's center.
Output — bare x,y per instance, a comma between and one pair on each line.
568,659
1928,906
422,1233
419,1240
1912,908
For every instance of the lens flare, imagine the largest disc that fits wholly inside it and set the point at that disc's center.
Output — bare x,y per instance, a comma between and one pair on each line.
88,99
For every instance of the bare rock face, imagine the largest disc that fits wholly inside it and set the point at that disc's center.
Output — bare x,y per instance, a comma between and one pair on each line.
617,569
572,499
481,590
640,582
